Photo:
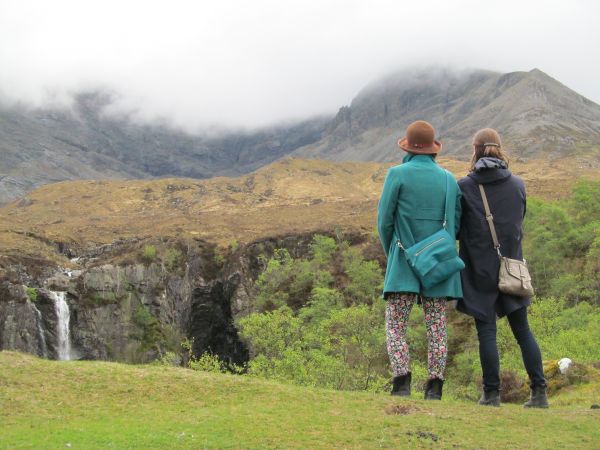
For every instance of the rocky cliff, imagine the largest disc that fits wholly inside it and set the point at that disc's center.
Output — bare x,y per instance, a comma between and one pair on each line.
126,305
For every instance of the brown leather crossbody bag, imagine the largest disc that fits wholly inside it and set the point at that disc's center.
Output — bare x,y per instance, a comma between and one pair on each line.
513,276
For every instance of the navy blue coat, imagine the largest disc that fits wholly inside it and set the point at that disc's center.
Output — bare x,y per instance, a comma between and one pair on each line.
506,196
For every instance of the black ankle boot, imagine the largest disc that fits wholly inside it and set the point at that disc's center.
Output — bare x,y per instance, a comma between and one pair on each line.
433,389
490,398
401,385
539,398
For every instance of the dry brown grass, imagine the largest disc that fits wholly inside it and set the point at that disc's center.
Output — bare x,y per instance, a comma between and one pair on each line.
289,196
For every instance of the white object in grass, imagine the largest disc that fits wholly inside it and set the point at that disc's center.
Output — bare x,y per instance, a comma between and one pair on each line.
564,364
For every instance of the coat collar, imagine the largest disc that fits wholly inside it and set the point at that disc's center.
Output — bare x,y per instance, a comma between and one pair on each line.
418,158
490,175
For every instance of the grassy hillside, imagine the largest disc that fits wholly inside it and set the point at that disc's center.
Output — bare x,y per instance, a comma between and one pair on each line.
49,404
289,196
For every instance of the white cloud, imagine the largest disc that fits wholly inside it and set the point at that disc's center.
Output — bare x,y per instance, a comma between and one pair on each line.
241,63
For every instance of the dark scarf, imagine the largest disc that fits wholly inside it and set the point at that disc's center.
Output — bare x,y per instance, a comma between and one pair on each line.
487,162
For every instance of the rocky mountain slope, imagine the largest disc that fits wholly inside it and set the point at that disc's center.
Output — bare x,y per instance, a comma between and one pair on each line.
538,117
41,146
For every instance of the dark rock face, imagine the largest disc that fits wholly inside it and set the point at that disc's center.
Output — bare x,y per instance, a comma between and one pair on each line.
48,323
19,330
211,324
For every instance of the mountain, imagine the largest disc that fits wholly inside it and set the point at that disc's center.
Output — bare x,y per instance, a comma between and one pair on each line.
536,115
40,146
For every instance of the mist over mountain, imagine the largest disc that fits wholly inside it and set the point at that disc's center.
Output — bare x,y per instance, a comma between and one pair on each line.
40,146
536,115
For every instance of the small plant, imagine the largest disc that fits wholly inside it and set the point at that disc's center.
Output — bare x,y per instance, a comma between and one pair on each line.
207,362
169,359
173,259
32,293
219,260
149,253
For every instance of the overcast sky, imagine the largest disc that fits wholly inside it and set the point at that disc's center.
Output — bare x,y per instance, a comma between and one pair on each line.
252,63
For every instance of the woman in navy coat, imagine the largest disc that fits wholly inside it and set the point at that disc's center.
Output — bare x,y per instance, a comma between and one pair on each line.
481,298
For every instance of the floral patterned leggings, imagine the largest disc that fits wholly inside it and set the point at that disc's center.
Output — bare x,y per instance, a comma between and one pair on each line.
397,311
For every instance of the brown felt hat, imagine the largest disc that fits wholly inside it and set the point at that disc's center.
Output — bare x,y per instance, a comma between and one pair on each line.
420,139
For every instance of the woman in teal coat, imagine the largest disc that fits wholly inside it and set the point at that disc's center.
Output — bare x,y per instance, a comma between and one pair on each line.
411,208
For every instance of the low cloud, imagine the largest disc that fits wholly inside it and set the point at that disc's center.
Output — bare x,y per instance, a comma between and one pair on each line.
249,64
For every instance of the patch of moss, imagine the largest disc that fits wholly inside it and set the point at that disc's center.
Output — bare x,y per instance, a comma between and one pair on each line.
149,254
32,293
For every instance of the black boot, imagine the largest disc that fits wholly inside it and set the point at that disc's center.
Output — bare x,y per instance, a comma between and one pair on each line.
490,398
538,399
433,389
401,385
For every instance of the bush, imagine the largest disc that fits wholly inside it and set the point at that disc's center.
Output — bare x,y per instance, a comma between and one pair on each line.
32,293
149,254
562,245
169,359
207,362
173,259
150,332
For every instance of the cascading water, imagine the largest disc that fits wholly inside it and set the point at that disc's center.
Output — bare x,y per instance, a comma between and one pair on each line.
63,335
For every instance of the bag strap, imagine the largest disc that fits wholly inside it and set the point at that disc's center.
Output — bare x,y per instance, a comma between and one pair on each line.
446,201
490,219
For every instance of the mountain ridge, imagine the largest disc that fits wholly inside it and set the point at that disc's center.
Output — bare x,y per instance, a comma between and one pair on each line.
537,116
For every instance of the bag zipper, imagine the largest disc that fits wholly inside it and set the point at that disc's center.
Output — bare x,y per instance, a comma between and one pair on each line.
428,245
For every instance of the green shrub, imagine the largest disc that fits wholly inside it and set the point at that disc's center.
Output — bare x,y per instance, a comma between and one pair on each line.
322,250
169,359
219,260
562,244
173,259
150,332
149,254
207,362
32,293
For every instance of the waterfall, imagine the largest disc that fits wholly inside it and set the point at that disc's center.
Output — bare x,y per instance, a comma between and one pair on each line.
63,335
41,334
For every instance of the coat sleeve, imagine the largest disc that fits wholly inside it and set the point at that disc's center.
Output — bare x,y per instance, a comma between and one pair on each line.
524,201
387,209
458,211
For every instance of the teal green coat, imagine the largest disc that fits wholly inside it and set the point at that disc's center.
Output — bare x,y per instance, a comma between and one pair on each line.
412,204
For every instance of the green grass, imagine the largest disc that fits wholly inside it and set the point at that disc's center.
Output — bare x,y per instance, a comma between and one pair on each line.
50,404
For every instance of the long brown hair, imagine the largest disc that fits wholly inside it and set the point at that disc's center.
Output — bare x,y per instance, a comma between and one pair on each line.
487,142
